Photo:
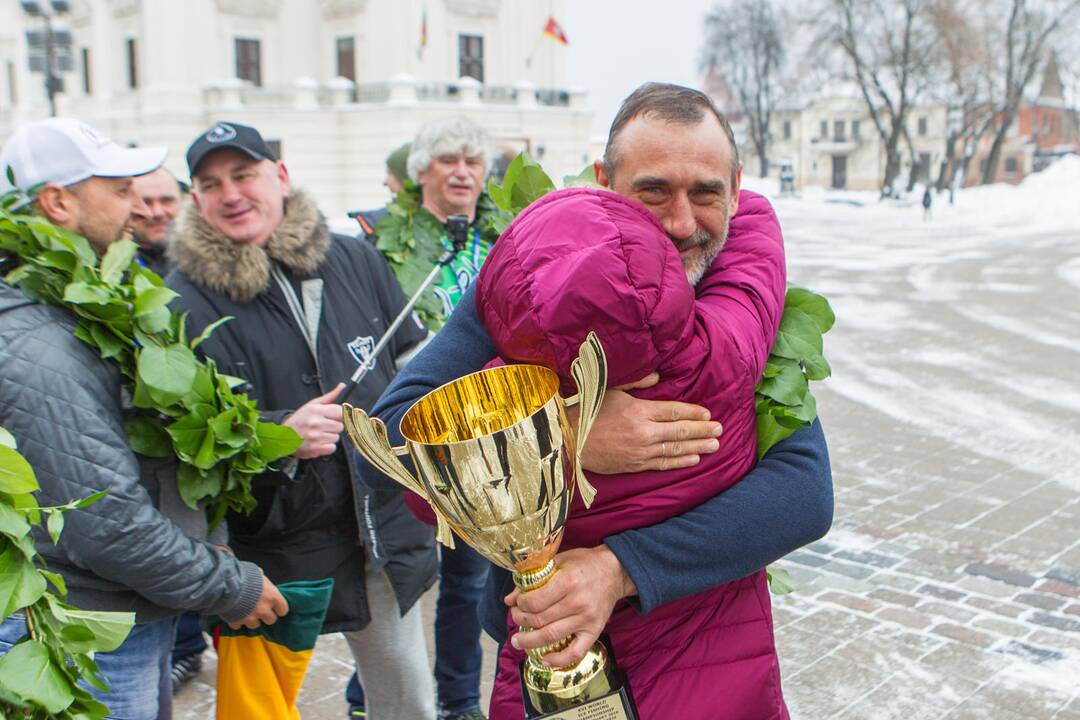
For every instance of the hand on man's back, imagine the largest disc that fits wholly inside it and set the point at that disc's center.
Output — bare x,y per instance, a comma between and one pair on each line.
633,435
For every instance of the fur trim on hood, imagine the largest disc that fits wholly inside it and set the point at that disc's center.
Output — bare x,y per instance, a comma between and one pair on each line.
240,270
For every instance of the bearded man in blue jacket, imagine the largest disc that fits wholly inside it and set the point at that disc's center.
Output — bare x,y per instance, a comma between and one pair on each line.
783,504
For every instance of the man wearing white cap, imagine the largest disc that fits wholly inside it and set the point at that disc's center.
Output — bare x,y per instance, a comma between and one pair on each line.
83,180
139,548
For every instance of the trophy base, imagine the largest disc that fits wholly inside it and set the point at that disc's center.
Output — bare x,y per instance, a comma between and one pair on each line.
605,697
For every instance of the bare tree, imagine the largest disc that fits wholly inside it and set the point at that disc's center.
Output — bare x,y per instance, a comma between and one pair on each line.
1069,62
743,43
1025,38
966,86
889,45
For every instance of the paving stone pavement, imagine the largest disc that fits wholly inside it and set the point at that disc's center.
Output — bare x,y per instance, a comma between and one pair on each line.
949,586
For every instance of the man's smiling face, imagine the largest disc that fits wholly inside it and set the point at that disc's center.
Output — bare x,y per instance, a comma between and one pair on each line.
240,197
683,174
452,183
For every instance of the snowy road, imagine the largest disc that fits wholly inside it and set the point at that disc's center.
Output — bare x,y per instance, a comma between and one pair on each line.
966,333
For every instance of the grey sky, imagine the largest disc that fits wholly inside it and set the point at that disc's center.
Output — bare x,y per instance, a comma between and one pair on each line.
615,45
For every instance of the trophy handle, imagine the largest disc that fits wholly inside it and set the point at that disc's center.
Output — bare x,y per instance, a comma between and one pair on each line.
590,375
368,434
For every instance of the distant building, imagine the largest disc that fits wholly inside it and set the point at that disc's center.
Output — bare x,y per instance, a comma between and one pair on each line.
334,84
1044,130
831,142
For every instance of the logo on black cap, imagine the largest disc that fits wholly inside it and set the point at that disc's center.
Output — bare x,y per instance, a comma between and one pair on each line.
222,132
229,135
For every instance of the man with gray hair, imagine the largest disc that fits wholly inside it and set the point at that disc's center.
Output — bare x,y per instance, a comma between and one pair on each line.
449,160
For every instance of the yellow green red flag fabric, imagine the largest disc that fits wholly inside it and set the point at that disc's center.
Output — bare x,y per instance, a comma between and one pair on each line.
260,671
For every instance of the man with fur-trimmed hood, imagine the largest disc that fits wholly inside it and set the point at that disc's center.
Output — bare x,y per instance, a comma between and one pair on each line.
308,307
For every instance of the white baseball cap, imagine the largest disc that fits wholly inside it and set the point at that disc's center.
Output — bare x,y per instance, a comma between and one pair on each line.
64,151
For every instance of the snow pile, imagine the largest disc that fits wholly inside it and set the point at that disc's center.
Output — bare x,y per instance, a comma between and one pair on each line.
1047,201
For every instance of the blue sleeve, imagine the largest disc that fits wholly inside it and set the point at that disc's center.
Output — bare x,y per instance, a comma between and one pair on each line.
461,347
782,504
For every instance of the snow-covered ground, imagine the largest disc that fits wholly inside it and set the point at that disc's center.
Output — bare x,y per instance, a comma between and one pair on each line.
966,325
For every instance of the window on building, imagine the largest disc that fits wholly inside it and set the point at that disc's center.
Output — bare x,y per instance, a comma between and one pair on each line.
132,64
922,125
471,56
249,61
86,86
838,130
855,129
787,129
982,166
1010,167
824,129
13,96
346,57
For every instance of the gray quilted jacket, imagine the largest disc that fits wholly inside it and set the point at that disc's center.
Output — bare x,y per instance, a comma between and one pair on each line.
64,406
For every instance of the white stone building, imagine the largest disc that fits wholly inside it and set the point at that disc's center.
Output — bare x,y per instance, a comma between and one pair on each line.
831,142
337,84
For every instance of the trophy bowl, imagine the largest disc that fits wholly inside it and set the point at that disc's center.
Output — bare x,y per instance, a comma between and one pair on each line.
491,452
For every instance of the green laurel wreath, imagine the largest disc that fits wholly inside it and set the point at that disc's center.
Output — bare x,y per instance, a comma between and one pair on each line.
39,675
190,410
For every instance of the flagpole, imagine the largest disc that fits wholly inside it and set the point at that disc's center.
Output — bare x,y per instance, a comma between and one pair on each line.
528,60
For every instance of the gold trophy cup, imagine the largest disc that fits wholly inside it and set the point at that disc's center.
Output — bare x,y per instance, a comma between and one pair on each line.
497,459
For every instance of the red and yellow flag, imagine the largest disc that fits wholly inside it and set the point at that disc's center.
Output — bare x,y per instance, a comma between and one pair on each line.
260,671
555,32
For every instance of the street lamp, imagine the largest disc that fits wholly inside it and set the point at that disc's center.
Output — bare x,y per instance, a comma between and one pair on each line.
50,49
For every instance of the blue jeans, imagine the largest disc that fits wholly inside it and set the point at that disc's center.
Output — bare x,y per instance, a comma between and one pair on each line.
458,656
189,636
137,671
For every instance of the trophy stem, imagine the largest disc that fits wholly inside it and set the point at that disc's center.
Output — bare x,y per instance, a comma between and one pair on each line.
569,682
532,579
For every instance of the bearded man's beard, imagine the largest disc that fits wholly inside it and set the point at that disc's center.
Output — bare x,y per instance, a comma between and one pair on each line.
709,247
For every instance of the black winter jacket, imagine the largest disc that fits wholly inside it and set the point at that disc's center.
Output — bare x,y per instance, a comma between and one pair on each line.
323,521
64,406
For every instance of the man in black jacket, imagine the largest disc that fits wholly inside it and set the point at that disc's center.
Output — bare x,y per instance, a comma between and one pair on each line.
140,547
307,308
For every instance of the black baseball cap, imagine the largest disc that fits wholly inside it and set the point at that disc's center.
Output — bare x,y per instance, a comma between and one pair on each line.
228,135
